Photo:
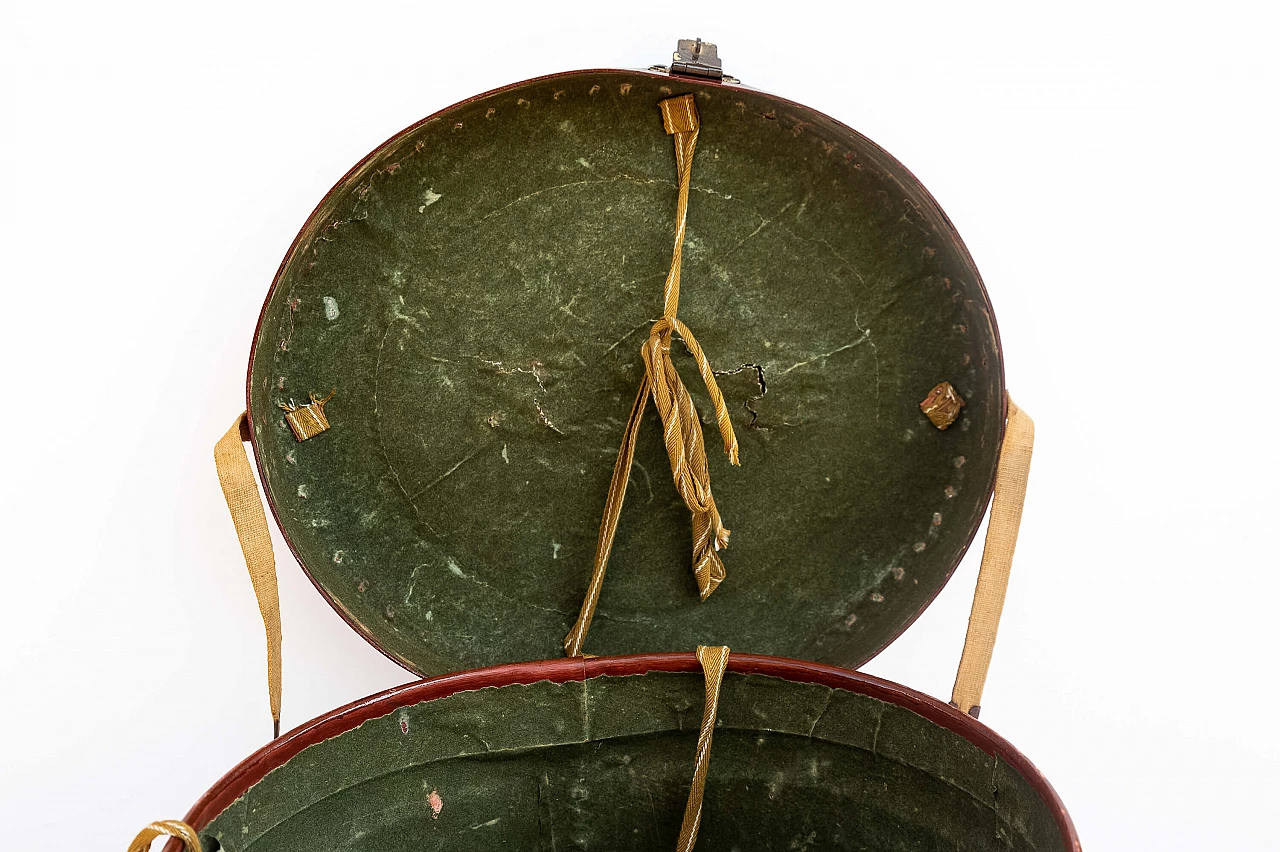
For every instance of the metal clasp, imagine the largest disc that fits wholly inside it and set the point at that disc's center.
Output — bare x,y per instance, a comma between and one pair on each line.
696,58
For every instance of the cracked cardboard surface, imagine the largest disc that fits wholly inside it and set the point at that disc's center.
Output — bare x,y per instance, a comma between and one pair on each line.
478,294
605,764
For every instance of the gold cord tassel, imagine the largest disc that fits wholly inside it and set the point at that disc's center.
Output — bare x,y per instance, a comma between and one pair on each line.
682,431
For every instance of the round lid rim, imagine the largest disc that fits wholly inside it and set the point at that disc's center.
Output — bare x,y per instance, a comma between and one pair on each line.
365,633
252,769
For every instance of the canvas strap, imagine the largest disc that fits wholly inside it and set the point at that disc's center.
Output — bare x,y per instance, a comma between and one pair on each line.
166,828
682,428
241,490
714,659
997,560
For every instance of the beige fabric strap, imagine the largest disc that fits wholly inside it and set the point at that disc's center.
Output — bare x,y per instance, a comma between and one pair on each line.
997,560
714,659
241,490
682,428
166,828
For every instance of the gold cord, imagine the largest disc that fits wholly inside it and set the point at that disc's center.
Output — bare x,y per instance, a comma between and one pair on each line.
714,661
166,828
682,430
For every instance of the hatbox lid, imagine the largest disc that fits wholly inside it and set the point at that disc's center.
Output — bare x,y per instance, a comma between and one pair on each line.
474,294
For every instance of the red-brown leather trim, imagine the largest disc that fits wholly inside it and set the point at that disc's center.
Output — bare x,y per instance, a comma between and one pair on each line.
238,781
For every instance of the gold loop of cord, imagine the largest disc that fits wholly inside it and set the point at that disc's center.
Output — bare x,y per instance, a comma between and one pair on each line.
714,660
682,429
166,828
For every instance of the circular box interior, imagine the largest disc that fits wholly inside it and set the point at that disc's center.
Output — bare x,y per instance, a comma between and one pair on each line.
476,292
598,754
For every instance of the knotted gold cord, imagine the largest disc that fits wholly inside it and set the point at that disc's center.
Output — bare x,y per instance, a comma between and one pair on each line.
681,427
166,828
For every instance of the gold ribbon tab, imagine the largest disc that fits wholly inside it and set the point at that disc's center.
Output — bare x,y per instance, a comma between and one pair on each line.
679,115
682,430
308,420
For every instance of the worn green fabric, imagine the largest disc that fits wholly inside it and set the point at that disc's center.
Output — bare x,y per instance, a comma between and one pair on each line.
477,296
606,765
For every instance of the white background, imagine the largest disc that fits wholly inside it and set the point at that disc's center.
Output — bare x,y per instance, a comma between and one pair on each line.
1111,166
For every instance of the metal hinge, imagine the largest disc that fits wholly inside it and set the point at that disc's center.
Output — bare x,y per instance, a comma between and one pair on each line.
696,58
